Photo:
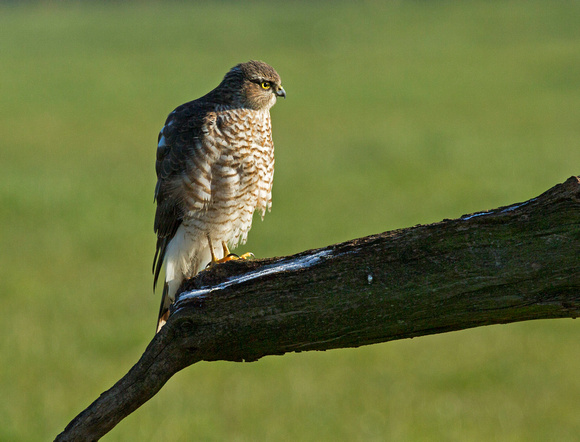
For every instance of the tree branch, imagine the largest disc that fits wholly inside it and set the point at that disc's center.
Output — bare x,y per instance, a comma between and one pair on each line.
510,264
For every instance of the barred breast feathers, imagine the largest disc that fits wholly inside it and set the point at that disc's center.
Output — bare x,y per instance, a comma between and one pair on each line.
232,165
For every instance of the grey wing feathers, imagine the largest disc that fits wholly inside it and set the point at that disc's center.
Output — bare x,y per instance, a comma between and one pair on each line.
176,142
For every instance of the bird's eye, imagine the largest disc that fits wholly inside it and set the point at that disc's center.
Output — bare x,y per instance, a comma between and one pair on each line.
266,85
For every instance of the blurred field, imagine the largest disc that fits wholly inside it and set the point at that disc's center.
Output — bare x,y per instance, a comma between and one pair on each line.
398,113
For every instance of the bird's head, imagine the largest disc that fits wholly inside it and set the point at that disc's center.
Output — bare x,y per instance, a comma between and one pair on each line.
254,84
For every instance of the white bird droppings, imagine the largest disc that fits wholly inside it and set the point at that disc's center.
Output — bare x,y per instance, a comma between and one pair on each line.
284,266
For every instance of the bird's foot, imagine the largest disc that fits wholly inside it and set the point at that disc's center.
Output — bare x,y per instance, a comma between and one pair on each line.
227,255
233,256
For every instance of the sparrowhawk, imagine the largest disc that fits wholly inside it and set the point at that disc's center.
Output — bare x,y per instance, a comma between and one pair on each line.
215,166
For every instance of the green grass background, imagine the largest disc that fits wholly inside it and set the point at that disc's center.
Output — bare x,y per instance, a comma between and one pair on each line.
398,113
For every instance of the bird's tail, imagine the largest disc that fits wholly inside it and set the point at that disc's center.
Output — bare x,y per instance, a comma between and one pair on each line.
182,260
164,308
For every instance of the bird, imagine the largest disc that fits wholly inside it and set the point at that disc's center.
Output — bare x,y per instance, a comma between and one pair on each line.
215,167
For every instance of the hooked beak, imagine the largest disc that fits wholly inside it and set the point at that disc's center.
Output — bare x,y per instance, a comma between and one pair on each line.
280,92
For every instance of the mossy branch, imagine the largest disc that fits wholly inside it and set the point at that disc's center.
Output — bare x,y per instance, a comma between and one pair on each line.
514,263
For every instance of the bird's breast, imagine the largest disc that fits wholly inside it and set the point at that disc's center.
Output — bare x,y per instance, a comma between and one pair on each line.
238,172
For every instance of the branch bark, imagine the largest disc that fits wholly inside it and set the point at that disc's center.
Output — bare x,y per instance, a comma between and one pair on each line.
513,263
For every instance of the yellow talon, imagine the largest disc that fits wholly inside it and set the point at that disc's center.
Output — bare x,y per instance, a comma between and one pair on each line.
233,256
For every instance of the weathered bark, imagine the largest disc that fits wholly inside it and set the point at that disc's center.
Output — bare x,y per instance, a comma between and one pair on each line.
511,264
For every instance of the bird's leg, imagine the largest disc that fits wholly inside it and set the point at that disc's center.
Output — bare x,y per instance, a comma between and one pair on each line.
226,250
214,259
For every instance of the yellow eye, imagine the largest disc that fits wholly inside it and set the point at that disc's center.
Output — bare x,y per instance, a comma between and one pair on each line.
266,85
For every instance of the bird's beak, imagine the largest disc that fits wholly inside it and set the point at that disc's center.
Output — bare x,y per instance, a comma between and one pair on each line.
280,92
